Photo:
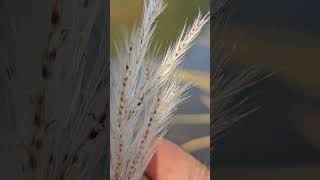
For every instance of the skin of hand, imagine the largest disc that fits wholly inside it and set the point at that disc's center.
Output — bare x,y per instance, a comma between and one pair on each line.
170,162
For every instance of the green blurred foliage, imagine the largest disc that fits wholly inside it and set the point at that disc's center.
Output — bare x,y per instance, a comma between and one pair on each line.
126,13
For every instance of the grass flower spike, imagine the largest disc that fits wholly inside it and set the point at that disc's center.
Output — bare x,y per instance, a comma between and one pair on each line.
53,89
145,91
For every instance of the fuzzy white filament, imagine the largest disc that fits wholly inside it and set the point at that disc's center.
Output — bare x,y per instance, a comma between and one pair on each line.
144,94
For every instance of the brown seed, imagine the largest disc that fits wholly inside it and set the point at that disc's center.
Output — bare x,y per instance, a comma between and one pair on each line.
93,134
51,159
36,120
45,72
55,17
52,54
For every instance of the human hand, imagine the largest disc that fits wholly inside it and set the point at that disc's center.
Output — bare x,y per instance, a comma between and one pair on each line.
171,163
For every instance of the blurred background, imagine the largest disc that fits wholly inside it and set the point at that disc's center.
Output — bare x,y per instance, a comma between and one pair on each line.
190,127
281,141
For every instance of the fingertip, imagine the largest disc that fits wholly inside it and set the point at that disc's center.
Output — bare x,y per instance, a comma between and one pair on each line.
171,162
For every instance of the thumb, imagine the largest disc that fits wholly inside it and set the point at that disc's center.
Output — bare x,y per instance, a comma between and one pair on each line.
171,162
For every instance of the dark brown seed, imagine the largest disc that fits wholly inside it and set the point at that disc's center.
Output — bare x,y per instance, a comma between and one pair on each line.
55,17
37,121
52,55
45,72
51,159
93,134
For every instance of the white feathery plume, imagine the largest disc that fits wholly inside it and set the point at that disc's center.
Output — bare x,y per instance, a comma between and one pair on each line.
144,93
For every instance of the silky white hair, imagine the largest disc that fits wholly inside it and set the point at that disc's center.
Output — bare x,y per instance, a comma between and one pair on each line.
145,91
